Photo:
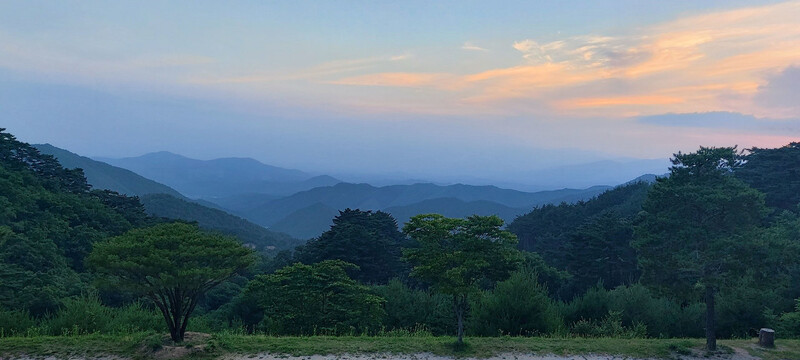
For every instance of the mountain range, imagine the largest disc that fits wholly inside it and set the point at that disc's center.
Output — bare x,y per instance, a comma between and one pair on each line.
267,201
163,201
403,201
219,177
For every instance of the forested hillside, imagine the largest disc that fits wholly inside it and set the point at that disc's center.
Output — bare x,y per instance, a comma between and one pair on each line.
167,206
640,260
50,219
104,176
162,201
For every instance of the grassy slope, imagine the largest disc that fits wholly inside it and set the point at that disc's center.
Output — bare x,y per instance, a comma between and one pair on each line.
132,345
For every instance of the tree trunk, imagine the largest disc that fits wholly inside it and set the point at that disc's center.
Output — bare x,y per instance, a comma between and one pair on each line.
176,335
711,325
459,308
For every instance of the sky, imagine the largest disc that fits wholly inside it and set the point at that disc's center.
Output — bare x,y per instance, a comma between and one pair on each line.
470,89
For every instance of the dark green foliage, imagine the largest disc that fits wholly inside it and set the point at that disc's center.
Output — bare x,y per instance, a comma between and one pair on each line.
456,208
788,323
415,310
609,326
698,229
695,220
555,280
83,315
18,156
546,229
104,176
518,306
600,250
40,197
34,276
86,315
49,220
172,264
590,240
776,173
635,304
255,236
315,299
741,307
456,255
222,294
15,322
369,240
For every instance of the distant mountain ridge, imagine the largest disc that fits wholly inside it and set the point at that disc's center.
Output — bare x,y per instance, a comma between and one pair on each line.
104,176
316,205
219,177
162,201
303,205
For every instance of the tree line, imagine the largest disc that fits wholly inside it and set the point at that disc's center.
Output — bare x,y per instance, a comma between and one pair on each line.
710,247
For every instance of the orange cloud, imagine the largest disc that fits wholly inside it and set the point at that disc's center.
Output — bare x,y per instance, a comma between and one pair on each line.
621,100
709,62
398,80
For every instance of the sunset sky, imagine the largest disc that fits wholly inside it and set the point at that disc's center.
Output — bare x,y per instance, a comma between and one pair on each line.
420,88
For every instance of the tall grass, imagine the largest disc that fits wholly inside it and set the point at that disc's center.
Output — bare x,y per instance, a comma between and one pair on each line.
81,316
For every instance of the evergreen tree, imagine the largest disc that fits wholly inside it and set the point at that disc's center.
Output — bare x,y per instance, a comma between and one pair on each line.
696,228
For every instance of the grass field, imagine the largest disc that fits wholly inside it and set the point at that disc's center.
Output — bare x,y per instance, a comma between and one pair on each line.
145,345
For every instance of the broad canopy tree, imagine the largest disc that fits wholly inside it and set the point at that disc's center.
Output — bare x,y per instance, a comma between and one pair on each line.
456,255
173,264
697,227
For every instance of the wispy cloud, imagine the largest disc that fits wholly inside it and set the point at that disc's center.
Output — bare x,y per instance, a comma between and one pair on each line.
709,62
326,69
470,46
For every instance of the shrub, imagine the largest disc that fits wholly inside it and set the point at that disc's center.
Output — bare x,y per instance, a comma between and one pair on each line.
15,322
81,315
610,326
414,310
635,304
318,299
788,324
740,310
517,306
86,315
134,318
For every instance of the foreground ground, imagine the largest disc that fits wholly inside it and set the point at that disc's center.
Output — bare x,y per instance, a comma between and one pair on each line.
241,347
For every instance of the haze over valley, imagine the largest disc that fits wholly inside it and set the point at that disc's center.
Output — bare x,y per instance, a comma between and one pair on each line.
297,203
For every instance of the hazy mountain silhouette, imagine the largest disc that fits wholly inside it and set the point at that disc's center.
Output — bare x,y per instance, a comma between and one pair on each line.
219,177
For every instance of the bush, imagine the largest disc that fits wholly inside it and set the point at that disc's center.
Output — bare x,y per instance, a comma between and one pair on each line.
518,306
413,310
134,318
610,326
86,315
15,322
635,304
82,315
740,310
788,324
318,299
663,317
